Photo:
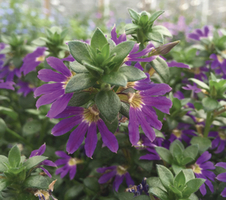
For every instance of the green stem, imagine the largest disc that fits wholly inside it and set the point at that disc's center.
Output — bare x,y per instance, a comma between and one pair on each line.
19,137
209,121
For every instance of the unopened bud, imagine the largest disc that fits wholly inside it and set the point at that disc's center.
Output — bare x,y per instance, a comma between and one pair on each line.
164,49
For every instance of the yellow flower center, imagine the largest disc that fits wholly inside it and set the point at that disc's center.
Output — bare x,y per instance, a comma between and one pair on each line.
41,193
220,59
177,133
11,67
222,135
196,169
74,161
135,100
195,70
68,79
91,114
121,170
40,58
199,119
31,85
199,128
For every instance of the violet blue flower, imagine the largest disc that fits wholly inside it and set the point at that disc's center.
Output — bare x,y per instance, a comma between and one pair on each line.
198,34
54,92
7,85
222,176
9,71
193,88
137,190
218,64
32,60
39,152
201,169
88,121
25,88
119,172
220,140
70,164
177,64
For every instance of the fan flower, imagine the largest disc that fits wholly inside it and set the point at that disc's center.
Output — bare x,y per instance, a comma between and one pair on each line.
70,164
32,60
137,190
7,85
9,71
222,176
87,120
54,92
218,64
201,169
119,172
199,33
25,88
39,152
220,140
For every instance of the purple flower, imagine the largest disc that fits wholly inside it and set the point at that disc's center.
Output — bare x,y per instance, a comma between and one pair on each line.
7,85
141,108
222,176
134,55
88,121
25,88
218,64
119,172
199,33
54,92
70,164
9,71
137,190
192,87
32,60
177,64
220,140
39,152
201,169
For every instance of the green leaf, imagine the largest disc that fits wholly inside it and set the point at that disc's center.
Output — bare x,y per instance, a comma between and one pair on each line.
144,18
112,126
125,195
142,197
176,148
203,143
134,14
122,50
7,111
132,73
14,156
209,104
108,104
193,197
131,27
155,182
34,161
124,110
92,183
74,191
3,127
98,39
199,83
192,186
80,82
189,174
191,151
177,168
115,78
36,181
79,50
3,159
31,127
165,175
159,193
80,98
175,190
179,180
3,98
155,36
164,154
78,68
155,16
92,67
3,184
162,30
161,68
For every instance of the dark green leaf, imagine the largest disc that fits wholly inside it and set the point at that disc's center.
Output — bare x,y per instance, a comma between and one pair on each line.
3,184
80,98
191,151
192,186
165,175
73,192
98,39
14,156
115,78
124,110
36,181
161,68
132,73
80,82
78,68
79,50
176,148
91,183
34,161
164,154
203,143
3,127
179,180
31,127
112,126
155,182
108,104
7,111
3,159
159,193
125,196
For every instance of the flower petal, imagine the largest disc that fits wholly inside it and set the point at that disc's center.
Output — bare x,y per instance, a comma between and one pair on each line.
49,75
91,140
106,177
47,88
117,182
133,127
72,172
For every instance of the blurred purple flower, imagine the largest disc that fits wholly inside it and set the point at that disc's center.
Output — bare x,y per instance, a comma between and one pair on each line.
9,71
220,140
25,88
198,34
32,60
87,120
222,176
39,152
54,92
7,85
218,64
119,172
137,190
201,169
70,164
194,88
